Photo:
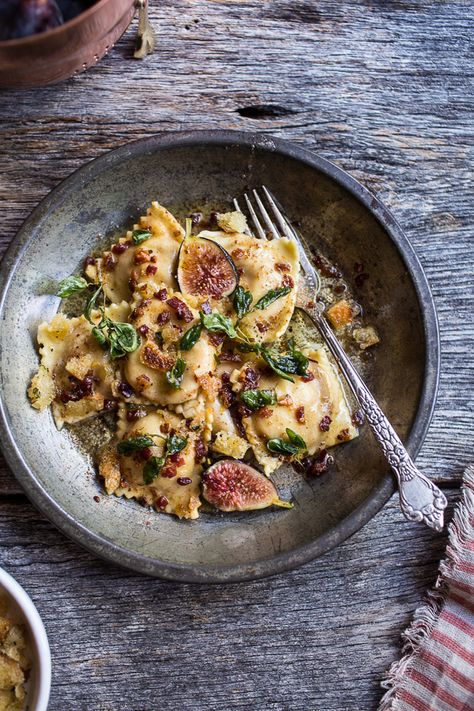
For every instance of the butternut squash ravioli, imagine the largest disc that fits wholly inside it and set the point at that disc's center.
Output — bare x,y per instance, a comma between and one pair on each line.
185,339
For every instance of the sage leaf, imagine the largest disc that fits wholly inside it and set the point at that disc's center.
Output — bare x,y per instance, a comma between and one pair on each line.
272,296
191,337
217,323
152,468
140,236
92,303
242,301
296,439
175,444
279,364
294,363
99,336
121,337
134,444
301,360
174,376
281,446
71,285
255,399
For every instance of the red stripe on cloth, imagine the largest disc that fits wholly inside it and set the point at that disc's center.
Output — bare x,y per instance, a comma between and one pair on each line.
469,545
447,669
462,601
465,567
457,622
452,645
411,699
469,589
456,703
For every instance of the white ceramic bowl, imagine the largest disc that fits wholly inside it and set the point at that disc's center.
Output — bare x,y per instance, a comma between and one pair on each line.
39,683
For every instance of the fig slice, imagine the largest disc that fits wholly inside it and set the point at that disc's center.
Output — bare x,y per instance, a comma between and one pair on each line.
234,486
205,269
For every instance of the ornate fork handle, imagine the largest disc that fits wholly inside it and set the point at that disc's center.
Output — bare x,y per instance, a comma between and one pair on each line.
420,499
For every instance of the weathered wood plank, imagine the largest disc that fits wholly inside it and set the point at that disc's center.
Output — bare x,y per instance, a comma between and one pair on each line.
318,638
385,90
367,90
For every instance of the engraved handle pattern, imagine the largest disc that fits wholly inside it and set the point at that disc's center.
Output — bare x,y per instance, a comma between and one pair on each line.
420,498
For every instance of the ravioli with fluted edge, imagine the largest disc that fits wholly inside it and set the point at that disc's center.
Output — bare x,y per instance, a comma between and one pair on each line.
184,342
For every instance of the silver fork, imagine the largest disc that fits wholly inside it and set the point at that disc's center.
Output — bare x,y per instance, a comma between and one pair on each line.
420,498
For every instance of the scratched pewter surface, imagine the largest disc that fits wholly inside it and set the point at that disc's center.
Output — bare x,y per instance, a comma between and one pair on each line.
384,89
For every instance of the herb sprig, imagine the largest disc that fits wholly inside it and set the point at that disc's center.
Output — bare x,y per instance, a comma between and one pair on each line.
119,338
292,363
242,301
152,468
135,444
173,444
217,323
271,296
291,447
174,377
191,337
255,399
71,285
139,236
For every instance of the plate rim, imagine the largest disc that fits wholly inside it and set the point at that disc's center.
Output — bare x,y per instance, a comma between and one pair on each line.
105,548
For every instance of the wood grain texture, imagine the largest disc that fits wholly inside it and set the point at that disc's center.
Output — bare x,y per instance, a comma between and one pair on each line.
384,89
318,638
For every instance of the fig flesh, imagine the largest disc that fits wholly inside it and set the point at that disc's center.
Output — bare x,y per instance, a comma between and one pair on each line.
205,269
231,485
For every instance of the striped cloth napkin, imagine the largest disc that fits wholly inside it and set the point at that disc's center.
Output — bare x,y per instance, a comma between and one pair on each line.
436,672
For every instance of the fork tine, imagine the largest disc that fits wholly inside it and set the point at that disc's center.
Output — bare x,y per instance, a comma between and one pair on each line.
266,216
290,232
256,221
286,228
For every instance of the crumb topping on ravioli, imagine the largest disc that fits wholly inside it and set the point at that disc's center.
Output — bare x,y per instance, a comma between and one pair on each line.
187,377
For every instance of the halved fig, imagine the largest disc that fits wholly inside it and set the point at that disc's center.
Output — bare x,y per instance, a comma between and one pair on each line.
205,269
234,486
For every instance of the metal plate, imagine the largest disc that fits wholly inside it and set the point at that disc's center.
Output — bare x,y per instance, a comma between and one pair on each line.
339,216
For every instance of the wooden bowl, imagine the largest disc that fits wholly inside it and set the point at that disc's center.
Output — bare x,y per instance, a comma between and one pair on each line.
60,53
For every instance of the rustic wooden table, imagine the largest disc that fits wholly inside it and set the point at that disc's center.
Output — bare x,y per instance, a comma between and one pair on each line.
384,89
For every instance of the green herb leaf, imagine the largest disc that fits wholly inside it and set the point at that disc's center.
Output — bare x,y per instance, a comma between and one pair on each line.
296,439
140,236
71,285
272,296
301,360
175,375
255,399
100,336
242,301
92,303
120,337
134,444
281,446
159,339
175,444
191,337
248,347
294,363
279,364
152,468
217,323
295,444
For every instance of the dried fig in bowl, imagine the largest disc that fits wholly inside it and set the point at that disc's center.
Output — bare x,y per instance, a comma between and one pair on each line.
231,485
205,269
